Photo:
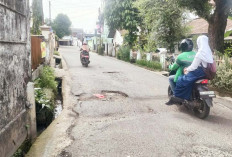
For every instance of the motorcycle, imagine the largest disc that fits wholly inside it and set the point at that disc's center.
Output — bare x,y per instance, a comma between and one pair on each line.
84,57
201,99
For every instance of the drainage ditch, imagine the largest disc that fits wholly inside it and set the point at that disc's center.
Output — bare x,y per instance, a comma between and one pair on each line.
58,62
45,116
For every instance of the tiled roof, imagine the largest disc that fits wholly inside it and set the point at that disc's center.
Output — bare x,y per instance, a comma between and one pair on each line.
200,26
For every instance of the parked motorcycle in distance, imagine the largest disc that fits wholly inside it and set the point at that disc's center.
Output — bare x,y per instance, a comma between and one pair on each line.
84,57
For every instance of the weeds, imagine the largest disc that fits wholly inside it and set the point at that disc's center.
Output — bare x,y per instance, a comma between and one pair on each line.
47,79
154,65
124,53
45,93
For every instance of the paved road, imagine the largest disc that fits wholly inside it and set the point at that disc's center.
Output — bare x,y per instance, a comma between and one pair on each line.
132,120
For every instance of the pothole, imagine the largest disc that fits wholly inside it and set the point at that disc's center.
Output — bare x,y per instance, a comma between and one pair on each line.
85,97
111,72
64,153
104,95
114,93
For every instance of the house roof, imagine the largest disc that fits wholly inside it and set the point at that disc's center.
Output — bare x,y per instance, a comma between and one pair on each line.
111,33
80,30
89,35
200,26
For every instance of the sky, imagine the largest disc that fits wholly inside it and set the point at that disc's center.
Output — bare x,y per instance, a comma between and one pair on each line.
82,13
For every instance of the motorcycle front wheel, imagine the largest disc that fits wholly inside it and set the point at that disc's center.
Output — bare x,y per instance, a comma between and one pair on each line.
170,93
202,111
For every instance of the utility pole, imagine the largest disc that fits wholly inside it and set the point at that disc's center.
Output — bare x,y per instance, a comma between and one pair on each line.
50,13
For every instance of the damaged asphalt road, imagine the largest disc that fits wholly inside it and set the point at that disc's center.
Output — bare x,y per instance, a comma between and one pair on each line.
132,119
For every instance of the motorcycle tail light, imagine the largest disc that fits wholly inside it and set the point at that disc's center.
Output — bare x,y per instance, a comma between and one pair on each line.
204,82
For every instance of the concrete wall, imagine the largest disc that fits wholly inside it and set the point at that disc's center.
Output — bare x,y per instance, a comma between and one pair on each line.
15,73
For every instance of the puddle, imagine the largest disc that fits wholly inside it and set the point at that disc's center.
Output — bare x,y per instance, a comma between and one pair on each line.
59,100
58,109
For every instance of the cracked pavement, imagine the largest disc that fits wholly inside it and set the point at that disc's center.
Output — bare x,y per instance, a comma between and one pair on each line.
140,124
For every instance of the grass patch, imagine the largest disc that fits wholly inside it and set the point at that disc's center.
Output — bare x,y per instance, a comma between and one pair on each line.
152,65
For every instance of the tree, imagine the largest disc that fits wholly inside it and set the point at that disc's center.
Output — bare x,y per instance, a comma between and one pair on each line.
61,25
216,14
121,14
230,14
37,16
164,21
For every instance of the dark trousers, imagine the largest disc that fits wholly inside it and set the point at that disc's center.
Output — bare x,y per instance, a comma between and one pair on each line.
185,83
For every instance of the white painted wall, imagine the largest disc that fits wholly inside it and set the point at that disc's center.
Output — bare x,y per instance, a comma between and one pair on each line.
118,38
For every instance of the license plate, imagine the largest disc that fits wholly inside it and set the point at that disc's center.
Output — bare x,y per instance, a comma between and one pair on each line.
211,93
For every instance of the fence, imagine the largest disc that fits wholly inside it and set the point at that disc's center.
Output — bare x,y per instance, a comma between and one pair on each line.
36,55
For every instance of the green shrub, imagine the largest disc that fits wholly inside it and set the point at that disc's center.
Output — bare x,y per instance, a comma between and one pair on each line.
228,50
223,79
47,79
56,53
124,53
43,100
45,93
100,50
156,58
150,64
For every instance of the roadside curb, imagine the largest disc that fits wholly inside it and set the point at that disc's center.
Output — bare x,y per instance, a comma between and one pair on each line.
55,138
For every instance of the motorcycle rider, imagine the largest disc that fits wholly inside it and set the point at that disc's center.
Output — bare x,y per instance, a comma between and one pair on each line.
85,47
195,71
84,50
183,60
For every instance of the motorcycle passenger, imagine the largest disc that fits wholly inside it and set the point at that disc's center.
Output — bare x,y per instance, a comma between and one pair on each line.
194,72
183,60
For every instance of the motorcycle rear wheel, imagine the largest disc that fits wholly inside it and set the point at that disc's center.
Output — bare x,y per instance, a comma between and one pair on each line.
202,111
